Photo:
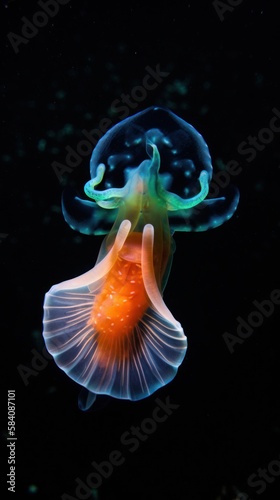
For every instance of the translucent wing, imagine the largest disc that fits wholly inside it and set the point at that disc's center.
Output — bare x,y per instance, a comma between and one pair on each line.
121,362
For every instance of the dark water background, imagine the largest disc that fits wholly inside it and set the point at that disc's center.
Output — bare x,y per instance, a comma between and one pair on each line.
222,76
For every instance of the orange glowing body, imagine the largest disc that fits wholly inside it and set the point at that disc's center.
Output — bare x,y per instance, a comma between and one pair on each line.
121,302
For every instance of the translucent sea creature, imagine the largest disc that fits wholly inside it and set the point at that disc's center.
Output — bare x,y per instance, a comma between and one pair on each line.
109,329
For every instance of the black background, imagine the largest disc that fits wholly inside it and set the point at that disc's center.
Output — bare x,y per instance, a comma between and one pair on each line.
224,80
